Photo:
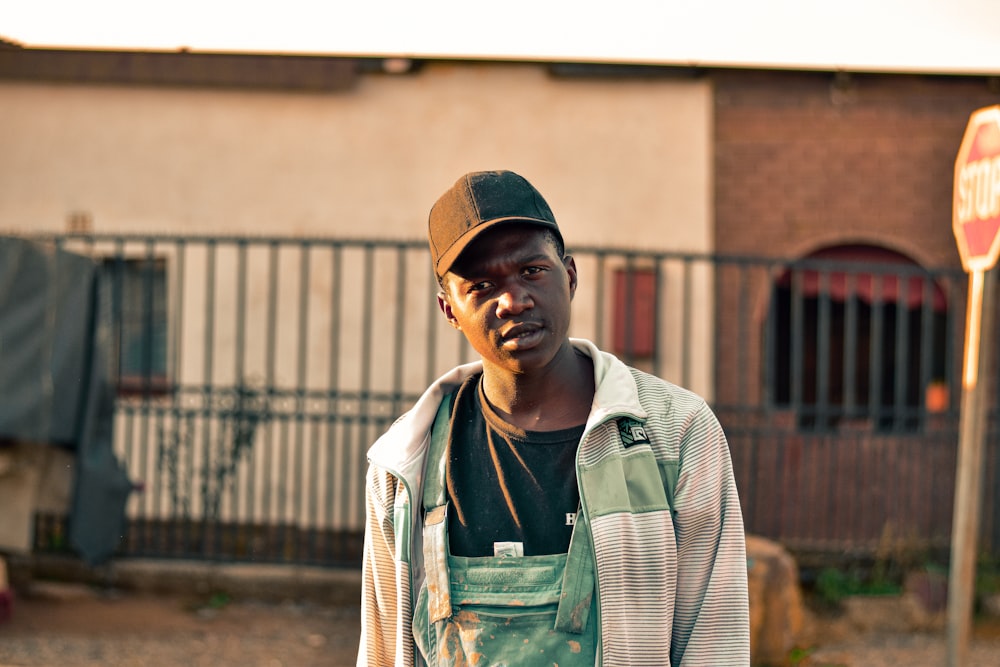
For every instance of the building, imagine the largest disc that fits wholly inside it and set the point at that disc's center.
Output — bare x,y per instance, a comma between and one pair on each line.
263,216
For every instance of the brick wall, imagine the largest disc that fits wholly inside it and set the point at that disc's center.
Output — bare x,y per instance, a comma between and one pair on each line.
804,160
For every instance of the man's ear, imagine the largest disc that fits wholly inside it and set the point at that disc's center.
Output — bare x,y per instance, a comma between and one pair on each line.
570,265
446,309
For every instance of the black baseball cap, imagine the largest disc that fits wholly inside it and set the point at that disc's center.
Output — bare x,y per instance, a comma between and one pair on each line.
478,201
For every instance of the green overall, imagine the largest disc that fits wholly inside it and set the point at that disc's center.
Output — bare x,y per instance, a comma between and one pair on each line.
501,610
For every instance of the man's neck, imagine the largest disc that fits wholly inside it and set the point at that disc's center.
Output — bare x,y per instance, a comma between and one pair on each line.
556,397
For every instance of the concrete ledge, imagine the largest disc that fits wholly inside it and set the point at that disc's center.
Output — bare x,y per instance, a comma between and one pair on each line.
328,586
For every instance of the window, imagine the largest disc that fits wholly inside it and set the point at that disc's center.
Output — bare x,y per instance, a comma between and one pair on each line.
634,333
858,333
138,292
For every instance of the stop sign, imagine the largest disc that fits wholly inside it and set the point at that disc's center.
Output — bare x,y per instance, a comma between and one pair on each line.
976,206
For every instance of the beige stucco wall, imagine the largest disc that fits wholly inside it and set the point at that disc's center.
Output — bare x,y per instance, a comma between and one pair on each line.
622,161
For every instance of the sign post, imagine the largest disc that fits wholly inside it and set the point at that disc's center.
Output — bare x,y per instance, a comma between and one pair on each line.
976,224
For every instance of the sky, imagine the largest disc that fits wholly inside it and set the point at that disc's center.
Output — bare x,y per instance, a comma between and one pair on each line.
946,36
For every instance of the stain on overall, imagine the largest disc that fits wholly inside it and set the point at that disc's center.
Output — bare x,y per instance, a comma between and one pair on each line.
579,612
461,641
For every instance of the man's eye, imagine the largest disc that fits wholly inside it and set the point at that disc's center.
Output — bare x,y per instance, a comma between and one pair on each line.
479,287
532,270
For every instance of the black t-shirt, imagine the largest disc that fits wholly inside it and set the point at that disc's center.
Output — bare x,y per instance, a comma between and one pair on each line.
505,484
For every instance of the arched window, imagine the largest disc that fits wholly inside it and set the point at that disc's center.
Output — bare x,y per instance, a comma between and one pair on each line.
857,333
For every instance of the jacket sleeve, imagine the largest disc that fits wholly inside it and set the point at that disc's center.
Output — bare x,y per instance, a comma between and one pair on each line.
711,616
386,638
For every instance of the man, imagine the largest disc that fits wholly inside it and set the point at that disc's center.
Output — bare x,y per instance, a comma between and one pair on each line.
547,505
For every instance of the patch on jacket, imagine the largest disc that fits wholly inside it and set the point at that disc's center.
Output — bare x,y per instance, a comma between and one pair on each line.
632,432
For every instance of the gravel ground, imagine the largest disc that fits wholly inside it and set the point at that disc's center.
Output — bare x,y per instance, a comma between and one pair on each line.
900,650
81,628
889,632
76,626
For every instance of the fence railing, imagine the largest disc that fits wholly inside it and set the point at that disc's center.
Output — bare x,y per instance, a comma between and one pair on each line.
254,373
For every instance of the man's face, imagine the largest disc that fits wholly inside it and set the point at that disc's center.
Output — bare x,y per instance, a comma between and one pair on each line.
509,293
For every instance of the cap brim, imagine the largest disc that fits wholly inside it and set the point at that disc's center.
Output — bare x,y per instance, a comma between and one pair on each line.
449,256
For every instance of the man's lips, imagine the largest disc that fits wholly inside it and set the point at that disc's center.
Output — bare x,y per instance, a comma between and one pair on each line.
521,333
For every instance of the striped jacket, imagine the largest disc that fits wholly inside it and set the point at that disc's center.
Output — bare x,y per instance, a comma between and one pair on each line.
657,490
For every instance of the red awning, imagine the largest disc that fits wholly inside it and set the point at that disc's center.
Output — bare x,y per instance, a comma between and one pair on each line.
840,282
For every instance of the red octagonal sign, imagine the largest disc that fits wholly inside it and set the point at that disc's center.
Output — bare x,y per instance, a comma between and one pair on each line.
976,209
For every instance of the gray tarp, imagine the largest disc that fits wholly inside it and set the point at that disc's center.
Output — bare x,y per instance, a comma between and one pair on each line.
55,385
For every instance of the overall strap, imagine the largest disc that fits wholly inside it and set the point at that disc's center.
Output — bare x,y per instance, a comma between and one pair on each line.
434,469
578,580
435,530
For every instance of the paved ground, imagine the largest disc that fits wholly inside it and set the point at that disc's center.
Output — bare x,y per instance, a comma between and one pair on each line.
78,626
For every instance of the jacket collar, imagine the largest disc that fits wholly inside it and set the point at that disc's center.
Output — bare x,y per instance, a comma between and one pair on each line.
401,449
616,393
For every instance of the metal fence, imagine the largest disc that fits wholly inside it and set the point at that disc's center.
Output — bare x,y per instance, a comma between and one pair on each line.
254,373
